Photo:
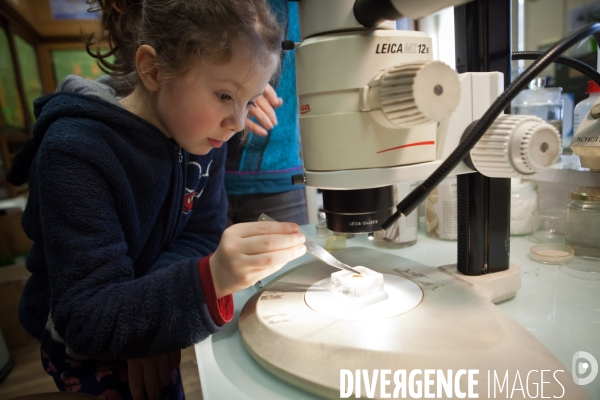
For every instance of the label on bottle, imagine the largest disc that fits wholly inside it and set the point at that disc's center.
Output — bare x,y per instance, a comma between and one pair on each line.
441,215
409,225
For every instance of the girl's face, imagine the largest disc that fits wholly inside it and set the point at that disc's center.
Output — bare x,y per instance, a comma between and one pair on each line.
205,108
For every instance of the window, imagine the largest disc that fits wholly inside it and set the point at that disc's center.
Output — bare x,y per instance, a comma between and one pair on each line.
10,101
74,62
30,73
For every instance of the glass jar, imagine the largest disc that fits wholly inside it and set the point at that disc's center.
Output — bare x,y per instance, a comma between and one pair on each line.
523,202
550,225
321,227
441,221
542,102
583,222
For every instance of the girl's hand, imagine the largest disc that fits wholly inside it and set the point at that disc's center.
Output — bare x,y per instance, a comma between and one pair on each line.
264,112
150,374
251,251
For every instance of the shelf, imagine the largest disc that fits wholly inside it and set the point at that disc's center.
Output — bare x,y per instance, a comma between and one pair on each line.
569,171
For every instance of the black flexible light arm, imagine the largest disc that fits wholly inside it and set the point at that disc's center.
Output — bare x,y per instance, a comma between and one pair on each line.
414,198
564,60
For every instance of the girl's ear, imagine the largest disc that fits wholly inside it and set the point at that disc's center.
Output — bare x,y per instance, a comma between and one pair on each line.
147,69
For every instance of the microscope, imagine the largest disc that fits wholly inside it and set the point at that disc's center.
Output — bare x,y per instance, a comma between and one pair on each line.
376,110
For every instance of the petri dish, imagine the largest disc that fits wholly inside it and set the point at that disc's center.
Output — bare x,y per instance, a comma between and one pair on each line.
581,267
551,253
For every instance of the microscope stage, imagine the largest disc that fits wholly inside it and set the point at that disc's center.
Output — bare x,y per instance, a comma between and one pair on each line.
288,330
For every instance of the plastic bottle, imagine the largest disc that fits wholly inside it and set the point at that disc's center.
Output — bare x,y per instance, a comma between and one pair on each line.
585,105
567,126
581,111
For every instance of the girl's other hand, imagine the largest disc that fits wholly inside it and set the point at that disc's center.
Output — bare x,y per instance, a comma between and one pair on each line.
264,112
251,251
150,374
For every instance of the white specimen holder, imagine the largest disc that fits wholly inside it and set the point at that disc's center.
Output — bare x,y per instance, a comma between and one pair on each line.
355,286
399,295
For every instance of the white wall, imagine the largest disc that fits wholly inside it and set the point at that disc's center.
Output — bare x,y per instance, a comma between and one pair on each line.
546,22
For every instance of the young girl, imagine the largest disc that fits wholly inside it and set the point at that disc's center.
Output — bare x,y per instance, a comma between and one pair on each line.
127,201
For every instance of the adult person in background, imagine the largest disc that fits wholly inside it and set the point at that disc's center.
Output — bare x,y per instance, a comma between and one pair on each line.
258,170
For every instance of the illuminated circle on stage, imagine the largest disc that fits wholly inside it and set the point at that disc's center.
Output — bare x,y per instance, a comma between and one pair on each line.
402,295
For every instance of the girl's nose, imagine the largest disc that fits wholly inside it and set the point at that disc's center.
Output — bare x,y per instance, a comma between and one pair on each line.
235,122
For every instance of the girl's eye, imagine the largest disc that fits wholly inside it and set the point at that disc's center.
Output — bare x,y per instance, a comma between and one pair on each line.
251,104
223,97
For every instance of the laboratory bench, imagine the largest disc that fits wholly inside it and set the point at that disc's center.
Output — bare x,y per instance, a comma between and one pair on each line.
559,306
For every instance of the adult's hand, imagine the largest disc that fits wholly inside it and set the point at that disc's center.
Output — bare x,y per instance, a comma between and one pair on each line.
264,112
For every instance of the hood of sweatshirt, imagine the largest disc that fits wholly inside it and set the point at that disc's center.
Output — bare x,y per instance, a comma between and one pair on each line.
78,98
103,89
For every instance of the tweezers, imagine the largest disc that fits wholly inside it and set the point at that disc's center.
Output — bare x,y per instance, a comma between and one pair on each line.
318,251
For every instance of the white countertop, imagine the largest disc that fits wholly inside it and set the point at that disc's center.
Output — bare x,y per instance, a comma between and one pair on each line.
561,311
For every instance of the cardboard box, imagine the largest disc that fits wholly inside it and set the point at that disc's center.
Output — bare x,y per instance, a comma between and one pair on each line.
12,282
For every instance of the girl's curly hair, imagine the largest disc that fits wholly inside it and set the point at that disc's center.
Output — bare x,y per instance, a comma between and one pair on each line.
181,31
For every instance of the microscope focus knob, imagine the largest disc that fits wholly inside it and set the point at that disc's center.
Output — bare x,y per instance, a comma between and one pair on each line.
418,93
516,146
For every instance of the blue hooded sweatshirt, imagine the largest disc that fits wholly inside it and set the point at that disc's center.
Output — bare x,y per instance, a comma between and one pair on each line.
267,164
120,217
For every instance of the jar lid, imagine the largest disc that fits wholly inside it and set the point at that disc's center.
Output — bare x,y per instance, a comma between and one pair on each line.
586,194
